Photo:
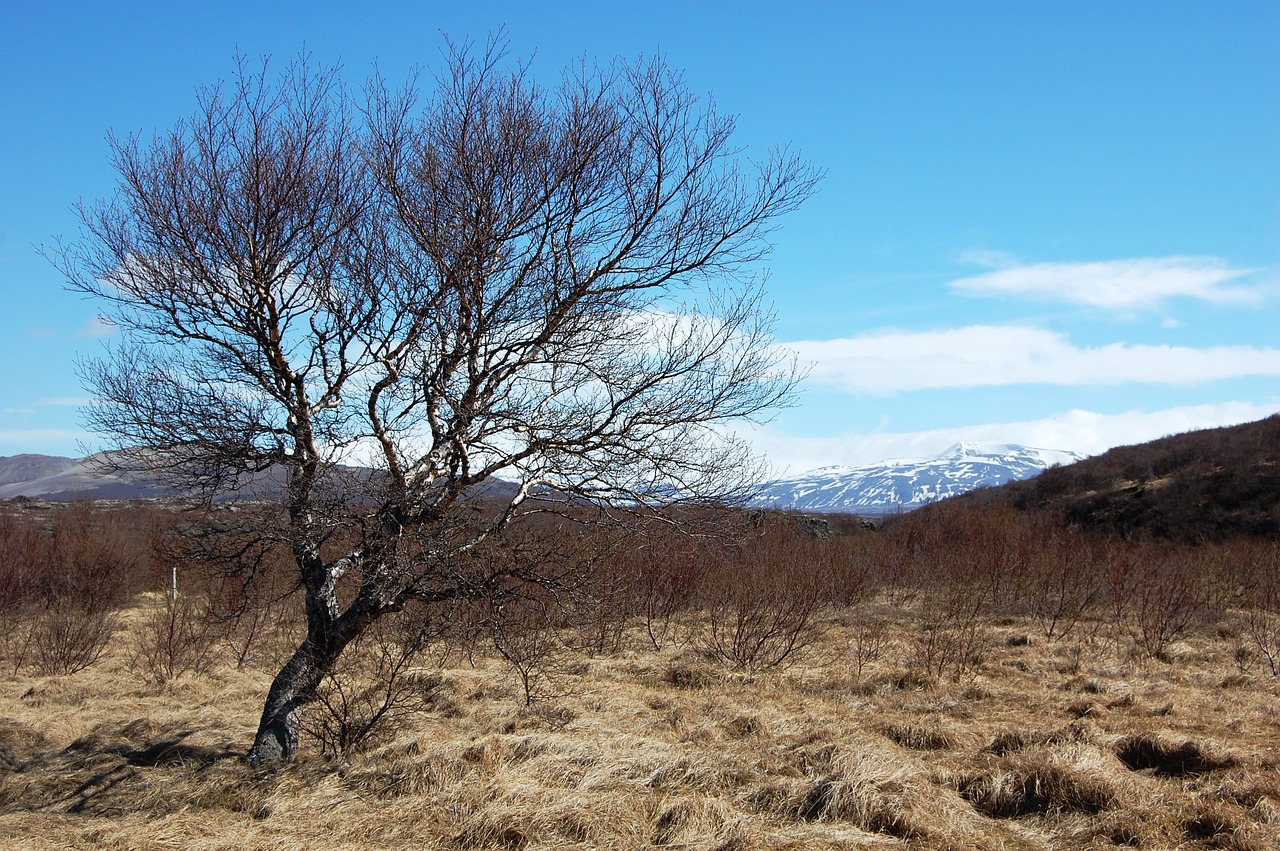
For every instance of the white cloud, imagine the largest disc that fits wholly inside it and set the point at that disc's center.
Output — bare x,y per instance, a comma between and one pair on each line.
995,355
44,441
97,327
1087,432
64,402
989,259
1139,284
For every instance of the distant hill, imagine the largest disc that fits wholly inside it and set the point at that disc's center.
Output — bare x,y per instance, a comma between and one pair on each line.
1201,485
70,478
908,483
16,469
54,478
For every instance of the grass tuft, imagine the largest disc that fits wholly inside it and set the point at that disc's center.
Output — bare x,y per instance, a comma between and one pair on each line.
1036,786
1144,751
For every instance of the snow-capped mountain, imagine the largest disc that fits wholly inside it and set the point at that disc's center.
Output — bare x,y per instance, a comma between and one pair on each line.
906,483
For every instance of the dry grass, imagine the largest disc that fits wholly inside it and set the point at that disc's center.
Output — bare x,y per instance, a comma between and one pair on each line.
1042,746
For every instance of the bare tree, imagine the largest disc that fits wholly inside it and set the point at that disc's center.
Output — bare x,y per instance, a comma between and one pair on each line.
551,286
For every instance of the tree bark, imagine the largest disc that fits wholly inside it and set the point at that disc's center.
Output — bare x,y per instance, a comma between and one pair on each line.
292,689
296,684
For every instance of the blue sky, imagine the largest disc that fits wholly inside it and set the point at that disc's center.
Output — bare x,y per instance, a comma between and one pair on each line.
1051,223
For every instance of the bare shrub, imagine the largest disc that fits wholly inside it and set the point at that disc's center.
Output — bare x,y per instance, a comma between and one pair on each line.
868,641
951,638
607,598
26,553
1263,615
258,632
1120,567
849,568
62,574
1264,630
667,574
101,557
524,634
67,636
761,603
1168,602
1065,581
174,639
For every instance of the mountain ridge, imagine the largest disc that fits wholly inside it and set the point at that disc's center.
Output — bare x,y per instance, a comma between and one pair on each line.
898,484
903,484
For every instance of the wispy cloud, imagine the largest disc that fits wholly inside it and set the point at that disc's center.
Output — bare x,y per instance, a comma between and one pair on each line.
44,441
996,355
96,327
1087,432
988,258
1138,284
64,402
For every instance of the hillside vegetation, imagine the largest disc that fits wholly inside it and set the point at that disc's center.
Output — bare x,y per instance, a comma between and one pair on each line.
1203,485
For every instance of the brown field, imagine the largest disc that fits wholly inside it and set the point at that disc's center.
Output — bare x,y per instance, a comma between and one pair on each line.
921,714
1045,745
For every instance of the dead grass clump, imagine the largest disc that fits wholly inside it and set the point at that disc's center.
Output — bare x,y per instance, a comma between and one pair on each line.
552,717
877,795
1083,708
1037,784
492,833
232,787
1011,741
490,753
1144,751
744,726
1223,826
140,767
19,744
876,807
690,672
521,819
692,822
430,775
1131,826
1250,791
911,679
1125,701
917,737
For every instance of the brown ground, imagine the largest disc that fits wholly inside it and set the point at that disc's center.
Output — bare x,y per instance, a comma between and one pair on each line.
1045,745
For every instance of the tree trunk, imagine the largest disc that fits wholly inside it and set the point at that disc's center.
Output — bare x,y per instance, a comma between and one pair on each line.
293,688
296,684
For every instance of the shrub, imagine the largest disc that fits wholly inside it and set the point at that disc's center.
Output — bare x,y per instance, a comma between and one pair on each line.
67,636
174,639
1167,602
761,603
